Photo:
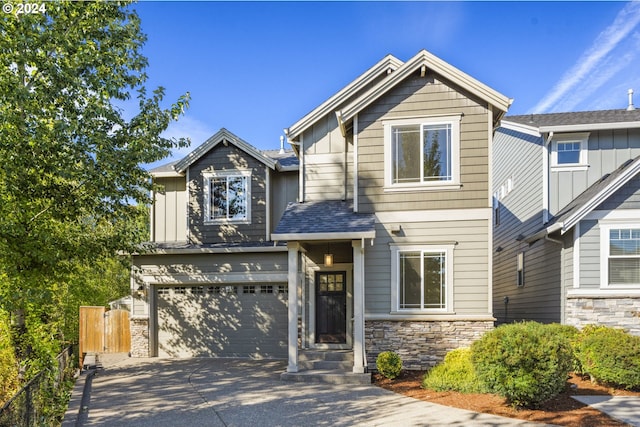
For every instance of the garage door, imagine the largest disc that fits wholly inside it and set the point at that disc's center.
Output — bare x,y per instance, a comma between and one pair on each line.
222,321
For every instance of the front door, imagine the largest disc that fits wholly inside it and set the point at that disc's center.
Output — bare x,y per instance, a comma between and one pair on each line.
331,307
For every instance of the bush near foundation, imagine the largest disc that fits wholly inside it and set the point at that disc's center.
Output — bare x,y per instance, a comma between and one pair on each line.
389,364
610,356
527,363
456,373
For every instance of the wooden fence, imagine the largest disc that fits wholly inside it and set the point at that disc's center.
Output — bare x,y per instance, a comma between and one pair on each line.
104,331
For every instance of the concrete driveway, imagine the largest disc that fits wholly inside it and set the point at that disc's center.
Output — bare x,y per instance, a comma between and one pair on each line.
238,392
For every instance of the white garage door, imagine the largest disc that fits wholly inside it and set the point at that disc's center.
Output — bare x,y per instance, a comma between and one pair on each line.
222,321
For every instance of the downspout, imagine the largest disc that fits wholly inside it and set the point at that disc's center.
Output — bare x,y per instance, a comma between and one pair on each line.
545,178
355,164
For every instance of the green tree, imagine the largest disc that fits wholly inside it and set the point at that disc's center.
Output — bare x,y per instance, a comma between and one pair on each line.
72,184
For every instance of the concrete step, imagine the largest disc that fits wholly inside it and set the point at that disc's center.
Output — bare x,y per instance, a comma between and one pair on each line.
328,355
326,377
325,364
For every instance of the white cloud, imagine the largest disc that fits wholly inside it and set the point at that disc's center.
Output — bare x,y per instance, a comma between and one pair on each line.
597,65
188,127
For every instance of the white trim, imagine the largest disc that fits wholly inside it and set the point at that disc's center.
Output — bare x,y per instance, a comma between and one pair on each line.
325,236
428,317
545,181
195,278
207,176
453,183
603,293
490,223
576,256
355,164
213,250
590,127
396,249
293,283
583,162
358,342
518,127
301,172
435,215
268,204
605,228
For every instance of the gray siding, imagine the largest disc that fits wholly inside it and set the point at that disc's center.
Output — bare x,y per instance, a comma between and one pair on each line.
589,255
284,189
471,259
607,150
227,159
628,197
169,212
417,96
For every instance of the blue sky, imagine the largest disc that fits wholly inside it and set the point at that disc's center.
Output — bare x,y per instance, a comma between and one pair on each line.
255,68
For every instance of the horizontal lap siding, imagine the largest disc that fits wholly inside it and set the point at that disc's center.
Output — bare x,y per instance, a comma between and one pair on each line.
423,97
227,159
471,260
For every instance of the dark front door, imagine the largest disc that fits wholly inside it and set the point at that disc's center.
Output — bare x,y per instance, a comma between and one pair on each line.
331,307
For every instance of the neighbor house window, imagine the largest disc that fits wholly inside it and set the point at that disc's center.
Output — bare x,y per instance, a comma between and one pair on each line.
569,150
422,278
520,269
624,256
422,152
227,197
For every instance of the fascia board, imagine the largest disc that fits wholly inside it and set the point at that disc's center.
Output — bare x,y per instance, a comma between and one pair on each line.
590,127
387,63
167,174
323,236
438,66
214,140
229,250
631,171
518,127
544,232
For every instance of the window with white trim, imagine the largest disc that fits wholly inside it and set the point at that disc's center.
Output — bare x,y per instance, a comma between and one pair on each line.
569,150
422,152
422,278
227,197
623,263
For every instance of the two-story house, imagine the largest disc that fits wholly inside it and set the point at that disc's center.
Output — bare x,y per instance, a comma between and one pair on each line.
567,218
385,245
212,282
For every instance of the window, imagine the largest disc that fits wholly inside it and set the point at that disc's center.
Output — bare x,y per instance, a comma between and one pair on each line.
227,197
520,270
569,150
624,256
422,152
423,278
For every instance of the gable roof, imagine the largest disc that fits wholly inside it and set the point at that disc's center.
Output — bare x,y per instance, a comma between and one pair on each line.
590,199
424,60
222,136
579,121
387,64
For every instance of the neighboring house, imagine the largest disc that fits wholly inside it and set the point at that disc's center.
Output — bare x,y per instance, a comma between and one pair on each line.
213,283
390,241
386,244
567,218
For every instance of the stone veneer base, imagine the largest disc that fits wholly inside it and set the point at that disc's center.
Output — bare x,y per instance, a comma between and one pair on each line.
139,337
420,344
615,312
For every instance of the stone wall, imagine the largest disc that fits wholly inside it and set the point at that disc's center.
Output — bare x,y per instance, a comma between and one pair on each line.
420,344
139,337
614,312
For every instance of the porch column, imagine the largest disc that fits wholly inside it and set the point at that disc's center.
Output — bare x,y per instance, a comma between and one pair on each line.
358,306
293,248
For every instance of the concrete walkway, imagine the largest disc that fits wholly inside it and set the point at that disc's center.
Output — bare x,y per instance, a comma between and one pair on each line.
237,392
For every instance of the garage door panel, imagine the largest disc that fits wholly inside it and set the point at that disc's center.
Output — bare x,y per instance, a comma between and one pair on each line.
227,321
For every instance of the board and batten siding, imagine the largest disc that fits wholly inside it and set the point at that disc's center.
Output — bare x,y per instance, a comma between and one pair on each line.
227,159
608,149
423,97
470,263
284,189
169,212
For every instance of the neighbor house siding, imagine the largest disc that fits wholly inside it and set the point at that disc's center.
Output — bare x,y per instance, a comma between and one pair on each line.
424,97
470,262
608,149
169,212
227,159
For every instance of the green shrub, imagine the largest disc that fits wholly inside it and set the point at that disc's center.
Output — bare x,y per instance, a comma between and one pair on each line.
456,373
8,363
389,364
527,363
610,356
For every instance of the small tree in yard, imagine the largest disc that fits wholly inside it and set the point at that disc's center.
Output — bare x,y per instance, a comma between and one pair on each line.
72,185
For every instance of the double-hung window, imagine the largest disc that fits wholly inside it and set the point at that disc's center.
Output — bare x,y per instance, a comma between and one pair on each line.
621,261
422,278
227,197
422,152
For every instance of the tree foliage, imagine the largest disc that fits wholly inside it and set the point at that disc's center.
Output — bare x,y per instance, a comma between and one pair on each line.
73,188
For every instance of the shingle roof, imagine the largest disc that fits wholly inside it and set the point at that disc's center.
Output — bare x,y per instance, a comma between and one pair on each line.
324,220
576,118
287,160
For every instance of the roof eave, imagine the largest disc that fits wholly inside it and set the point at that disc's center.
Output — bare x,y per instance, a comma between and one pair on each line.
589,127
350,235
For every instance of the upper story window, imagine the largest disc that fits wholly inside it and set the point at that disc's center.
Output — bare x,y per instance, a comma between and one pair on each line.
227,197
422,278
570,151
620,264
422,152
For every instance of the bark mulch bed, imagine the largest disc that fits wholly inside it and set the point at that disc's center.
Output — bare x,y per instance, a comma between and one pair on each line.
561,410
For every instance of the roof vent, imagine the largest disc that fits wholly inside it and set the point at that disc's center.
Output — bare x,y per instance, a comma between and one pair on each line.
630,107
281,144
